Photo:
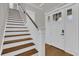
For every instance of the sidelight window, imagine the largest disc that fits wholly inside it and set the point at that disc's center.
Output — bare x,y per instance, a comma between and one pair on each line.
69,12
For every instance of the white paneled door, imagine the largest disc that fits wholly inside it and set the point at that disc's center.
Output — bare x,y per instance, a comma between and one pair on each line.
71,29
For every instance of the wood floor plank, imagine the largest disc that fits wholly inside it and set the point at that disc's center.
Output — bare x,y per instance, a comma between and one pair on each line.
8,50
28,53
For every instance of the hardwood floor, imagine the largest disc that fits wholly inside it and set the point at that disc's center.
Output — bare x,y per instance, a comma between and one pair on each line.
53,51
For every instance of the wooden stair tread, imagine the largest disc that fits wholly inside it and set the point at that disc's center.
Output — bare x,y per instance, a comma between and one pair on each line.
15,24
16,27
8,50
14,41
16,35
16,21
17,31
28,53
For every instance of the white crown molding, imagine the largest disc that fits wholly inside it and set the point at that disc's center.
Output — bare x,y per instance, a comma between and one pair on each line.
57,8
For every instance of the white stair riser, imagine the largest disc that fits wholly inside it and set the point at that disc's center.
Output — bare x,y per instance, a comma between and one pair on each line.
14,23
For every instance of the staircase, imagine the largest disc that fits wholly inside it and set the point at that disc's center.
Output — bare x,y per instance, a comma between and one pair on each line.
17,39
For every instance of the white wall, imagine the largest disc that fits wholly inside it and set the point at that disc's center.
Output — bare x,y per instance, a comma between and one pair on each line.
3,17
39,15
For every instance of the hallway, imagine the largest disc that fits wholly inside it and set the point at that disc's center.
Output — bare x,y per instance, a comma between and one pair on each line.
42,29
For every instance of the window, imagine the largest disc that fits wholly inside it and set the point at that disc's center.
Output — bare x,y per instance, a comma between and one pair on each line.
59,14
69,12
56,16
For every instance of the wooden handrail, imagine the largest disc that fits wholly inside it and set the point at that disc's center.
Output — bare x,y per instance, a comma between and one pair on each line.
30,18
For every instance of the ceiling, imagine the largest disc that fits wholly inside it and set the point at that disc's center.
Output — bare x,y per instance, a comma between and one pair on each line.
47,6
37,4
